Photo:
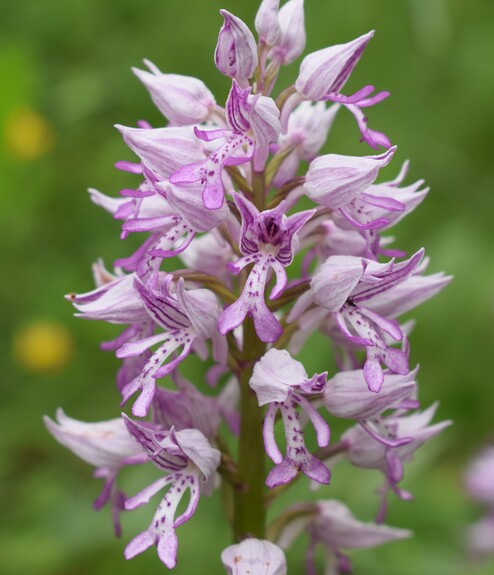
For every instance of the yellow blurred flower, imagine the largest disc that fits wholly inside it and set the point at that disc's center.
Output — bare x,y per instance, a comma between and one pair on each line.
27,134
43,346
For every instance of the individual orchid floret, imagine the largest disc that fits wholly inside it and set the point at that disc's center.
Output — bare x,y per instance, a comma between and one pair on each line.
291,39
103,444
267,22
163,150
269,241
307,132
183,100
236,50
346,286
107,446
254,557
325,72
115,302
347,396
190,462
188,318
253,125
335,181
368,450
380,207
282,383
391,304
332,525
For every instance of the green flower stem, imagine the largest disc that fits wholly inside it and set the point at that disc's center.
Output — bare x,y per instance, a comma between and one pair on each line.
289,295
259,189
275,528
249,499
283,192
239,180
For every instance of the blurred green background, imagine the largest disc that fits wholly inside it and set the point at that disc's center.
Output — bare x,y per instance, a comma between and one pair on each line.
65,73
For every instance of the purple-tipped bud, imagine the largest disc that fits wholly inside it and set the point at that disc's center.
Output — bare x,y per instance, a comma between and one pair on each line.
335,180
236,50
292,38
254,556
182,99
267,23
326,71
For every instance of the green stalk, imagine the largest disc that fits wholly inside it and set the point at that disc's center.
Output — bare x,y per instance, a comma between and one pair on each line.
249,499
258,188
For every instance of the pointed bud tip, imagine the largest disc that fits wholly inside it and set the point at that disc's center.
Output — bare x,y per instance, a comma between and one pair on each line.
367,37
141,74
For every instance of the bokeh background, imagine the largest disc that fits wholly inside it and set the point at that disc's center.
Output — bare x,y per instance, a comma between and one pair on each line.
65,76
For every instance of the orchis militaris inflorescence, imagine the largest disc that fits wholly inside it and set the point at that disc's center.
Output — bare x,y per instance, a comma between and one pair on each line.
222,188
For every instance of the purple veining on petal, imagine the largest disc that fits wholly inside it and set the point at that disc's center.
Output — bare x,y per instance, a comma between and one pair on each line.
269,242
342,284
282,383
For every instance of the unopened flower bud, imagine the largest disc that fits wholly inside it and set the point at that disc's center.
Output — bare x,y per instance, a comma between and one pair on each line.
292,38
182,99
335,180
327,70
267,23
236,50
